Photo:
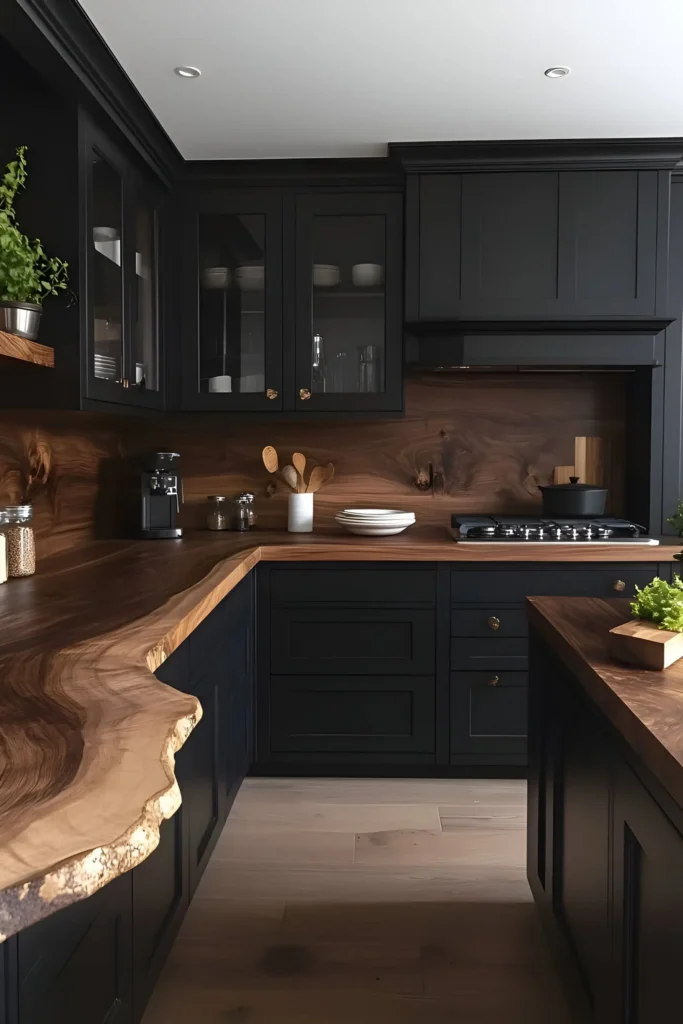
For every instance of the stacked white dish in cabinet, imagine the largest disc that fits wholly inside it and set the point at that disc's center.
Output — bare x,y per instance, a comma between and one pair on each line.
374,522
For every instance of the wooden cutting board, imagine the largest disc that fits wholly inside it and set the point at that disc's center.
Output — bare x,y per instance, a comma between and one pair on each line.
589,460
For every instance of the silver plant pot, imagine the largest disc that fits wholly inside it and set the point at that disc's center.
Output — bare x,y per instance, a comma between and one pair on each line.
21,318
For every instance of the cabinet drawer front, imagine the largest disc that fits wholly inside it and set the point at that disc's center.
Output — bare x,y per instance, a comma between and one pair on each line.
488,712
341,585
348,641
482,653
515,585
488,622
372,714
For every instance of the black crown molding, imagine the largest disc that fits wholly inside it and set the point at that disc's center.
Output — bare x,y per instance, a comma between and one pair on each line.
333,173
512,326
533,154
83,55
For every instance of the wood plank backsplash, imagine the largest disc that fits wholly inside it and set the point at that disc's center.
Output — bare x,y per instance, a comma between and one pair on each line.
468,442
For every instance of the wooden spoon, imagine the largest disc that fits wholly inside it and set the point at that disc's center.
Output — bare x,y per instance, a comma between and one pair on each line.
270,460
329,473
291,477
299,462
316,480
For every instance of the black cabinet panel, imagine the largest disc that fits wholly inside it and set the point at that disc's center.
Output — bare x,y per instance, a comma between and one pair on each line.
515,584
438,241
202,779
362,640
352,713
352,584
478,653
488,712
492,622
76,965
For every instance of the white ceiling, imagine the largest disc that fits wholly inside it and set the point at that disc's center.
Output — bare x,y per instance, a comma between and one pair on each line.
321,78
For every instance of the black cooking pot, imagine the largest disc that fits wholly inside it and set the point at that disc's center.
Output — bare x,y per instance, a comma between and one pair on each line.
573,499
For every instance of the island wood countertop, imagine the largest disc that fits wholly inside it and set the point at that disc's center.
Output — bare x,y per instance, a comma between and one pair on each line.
88,734
645,706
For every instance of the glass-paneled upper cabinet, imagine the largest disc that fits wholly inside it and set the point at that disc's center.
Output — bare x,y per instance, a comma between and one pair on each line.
348,323
121,307
234,342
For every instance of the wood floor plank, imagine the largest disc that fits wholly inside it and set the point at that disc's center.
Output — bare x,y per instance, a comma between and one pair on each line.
364,901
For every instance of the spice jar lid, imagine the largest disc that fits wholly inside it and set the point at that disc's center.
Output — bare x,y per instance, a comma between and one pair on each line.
18,513
245,497
217,497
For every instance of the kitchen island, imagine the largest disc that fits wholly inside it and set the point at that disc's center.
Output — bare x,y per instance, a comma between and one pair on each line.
605,814
90,735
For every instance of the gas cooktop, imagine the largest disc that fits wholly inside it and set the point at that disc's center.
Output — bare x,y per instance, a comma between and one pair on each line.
482,529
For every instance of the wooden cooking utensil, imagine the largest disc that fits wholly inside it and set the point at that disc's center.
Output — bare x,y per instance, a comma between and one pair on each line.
270,459
299,462
329,472
589,460
291,477
316,479
563,474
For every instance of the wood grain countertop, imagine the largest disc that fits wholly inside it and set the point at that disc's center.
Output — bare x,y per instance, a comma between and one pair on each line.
88,734
644,705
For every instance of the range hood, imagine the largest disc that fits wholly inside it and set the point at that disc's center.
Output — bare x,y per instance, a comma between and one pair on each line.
534,345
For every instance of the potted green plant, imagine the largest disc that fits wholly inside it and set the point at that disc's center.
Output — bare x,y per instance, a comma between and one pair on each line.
676,520
27,274
654,639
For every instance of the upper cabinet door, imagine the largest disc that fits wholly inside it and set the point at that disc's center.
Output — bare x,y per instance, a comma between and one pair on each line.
348,324
232,327
532,244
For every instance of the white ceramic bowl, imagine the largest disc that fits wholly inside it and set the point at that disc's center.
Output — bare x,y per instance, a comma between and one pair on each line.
216,277
250,279
326,275
373,531
220,384
102,234
374,512
367,275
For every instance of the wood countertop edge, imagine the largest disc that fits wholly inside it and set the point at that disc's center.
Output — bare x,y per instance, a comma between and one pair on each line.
640,737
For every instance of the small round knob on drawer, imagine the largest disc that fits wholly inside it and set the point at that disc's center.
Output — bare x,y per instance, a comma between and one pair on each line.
304,394
494,622
125,382
493,681
271,393
619,585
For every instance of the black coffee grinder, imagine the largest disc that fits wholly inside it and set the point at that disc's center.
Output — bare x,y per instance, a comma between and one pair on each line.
161,490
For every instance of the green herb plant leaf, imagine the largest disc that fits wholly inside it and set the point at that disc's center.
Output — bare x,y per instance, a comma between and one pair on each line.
27,273
676,520
661,603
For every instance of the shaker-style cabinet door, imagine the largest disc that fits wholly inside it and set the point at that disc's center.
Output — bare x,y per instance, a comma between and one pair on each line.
232,315
348,321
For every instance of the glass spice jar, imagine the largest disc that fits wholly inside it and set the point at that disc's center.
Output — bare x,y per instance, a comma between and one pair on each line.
3,548
246,499
217,519
21,542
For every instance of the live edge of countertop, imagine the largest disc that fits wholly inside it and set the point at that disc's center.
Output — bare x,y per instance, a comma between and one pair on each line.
87,732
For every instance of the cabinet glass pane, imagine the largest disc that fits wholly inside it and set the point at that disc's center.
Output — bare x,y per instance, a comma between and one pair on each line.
347,296
145,350
107,283
232,283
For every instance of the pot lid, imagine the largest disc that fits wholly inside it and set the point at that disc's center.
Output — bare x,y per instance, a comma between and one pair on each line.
572,486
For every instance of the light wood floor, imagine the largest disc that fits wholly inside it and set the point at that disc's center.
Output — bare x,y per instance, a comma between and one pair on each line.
364,902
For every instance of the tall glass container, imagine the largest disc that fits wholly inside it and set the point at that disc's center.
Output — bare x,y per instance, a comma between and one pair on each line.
21,543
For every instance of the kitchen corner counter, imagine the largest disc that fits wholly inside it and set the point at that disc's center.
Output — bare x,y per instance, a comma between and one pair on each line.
88,734
644,706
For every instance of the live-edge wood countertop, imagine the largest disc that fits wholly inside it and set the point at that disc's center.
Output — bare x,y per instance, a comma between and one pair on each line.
87,732
645,706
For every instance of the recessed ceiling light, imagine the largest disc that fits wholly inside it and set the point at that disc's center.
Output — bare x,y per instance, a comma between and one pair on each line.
190,72
556,72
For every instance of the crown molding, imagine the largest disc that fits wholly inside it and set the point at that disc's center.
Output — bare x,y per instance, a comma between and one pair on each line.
538,154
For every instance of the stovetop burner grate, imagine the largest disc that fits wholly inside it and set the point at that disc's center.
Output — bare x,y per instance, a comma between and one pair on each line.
542,530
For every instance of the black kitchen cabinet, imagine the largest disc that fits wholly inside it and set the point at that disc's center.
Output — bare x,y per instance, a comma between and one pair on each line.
537,243
320,332
76,965
349,287
488,716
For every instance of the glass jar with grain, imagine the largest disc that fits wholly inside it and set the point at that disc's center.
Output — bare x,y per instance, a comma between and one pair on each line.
3,548
21,542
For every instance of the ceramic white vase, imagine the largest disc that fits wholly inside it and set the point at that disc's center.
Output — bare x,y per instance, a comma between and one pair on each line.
300,513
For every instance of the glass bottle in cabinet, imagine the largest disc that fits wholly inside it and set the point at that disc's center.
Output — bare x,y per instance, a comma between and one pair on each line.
349,335
145,359
107,263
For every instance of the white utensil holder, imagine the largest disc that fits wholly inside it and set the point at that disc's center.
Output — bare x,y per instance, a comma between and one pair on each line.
300,513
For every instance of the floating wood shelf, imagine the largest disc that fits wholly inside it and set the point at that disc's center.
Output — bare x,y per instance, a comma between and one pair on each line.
13,347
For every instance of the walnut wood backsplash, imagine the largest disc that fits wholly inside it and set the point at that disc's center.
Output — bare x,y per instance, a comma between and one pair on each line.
468,442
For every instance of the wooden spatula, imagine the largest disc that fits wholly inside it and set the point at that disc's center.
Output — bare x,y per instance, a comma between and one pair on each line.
270,460
299,462
291,477
316,480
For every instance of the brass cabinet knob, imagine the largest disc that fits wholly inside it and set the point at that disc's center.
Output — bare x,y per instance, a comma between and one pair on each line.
304,394
271,393
493,681
619,585
494,622
125,382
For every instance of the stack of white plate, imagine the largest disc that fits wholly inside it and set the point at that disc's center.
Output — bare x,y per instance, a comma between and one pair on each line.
106,367
374,522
